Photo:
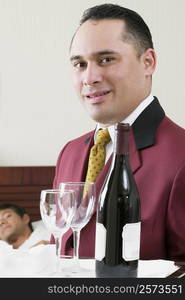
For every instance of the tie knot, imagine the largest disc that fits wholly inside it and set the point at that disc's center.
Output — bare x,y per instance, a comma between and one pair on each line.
102,137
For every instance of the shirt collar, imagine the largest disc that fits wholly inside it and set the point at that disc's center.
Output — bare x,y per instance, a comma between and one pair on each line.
130,119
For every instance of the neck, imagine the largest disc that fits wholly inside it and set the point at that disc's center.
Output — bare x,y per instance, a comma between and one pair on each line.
17,241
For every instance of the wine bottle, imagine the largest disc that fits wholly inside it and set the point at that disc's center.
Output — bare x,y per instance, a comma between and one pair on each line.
118,215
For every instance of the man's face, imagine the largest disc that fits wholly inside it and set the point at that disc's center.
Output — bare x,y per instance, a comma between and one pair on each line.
109,77
11,224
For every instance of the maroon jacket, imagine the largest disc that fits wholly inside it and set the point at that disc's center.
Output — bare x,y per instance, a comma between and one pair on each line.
157,157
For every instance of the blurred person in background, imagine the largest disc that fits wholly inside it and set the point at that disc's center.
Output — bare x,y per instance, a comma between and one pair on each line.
17,230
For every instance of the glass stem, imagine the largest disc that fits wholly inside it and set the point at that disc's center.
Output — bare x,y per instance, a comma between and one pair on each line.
76,241
58,247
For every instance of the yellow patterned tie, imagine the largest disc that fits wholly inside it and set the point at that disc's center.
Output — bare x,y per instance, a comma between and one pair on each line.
97,155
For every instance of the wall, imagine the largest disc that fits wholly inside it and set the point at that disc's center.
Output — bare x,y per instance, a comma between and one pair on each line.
39,110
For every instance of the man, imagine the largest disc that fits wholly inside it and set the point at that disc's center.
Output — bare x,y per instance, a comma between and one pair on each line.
16,228
113,59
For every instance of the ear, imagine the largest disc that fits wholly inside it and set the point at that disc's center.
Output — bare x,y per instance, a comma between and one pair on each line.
26,219
150,60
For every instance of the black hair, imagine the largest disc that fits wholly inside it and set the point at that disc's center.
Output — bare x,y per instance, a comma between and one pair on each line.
20,211
137,30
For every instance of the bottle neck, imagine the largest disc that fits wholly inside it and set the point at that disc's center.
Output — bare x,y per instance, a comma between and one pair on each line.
121,139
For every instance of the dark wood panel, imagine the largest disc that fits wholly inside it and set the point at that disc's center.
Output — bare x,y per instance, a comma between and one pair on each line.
26,175
22,186
22,189
28,203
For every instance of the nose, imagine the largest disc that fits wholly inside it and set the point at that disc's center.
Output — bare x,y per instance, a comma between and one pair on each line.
2,221
92,75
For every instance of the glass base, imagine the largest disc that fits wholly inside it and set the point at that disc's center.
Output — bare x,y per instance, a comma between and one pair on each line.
77,269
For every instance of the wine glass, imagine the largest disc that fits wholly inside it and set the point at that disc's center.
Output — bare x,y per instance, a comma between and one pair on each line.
85,198
57,209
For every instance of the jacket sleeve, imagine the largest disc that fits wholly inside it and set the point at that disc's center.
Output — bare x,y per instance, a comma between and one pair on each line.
176,218
55,182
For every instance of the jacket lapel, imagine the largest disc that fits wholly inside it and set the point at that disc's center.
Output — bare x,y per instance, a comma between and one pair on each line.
82,158
144,132
145,126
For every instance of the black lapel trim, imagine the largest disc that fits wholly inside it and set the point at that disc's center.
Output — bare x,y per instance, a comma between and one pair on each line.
145,126
90,137
87,140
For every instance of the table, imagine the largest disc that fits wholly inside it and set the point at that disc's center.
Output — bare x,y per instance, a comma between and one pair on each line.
40,261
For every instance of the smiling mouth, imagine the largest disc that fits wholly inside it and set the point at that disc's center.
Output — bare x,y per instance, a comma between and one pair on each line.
5,228
97,97
97,94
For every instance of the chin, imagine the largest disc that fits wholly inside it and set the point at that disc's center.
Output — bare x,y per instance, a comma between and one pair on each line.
97,119
100,115
100,120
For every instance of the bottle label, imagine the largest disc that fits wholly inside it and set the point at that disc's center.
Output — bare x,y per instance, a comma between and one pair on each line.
131,241
100,241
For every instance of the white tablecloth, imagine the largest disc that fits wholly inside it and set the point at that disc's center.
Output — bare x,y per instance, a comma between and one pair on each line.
40,261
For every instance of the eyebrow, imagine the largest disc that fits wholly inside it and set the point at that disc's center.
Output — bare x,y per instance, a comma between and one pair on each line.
6,212
95,54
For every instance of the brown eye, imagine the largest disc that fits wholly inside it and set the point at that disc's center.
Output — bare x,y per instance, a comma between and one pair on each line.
7,216
106,60
79,64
